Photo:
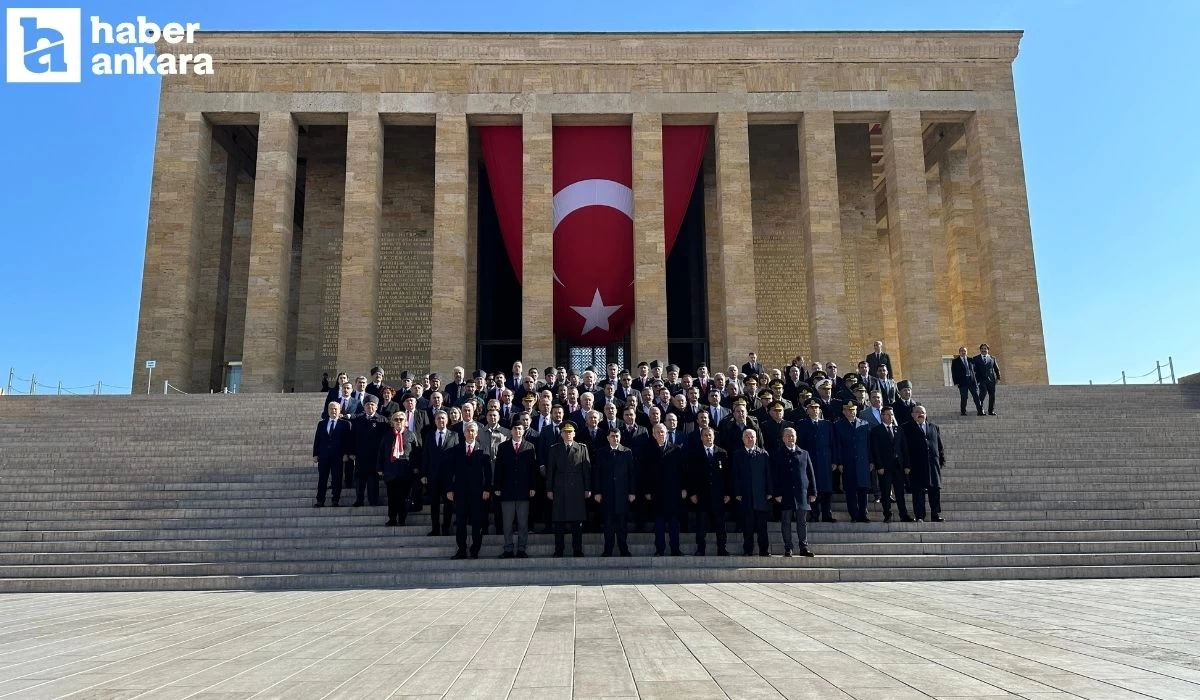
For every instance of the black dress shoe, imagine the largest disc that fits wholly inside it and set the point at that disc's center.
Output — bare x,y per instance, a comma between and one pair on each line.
474,554
962,413
807,553
577,554
722,552
508,555
390,523
907,519
887,518
318,505
991,413
979,413
829,520
865,520
627,553
938,519
558,555
764,554
606,554
433,533
677,553
356,504
336,504
699,553
460,554
522,555
787,553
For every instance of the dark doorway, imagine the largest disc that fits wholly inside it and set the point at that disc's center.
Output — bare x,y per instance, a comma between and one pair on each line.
687,306
498,343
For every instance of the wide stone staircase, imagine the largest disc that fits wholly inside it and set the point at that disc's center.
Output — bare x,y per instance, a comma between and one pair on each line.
112,493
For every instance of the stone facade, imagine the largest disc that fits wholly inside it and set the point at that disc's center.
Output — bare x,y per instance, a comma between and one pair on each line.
857,186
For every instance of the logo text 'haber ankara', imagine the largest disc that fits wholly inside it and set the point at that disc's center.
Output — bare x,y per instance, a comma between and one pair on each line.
141,61
45,45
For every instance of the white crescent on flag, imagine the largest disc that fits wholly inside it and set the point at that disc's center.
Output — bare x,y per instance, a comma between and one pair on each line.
591,193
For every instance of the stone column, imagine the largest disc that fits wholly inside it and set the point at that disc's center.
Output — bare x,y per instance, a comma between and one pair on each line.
166,323
820,220
911,248
958,218
268,288
239,268
860,236
718,356
449,319
537,251
735,239
212,287
1009,279
362,220
649,242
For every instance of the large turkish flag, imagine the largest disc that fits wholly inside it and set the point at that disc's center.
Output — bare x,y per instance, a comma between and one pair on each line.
593,217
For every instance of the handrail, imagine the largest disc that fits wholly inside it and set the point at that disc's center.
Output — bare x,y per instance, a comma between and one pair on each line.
1157,371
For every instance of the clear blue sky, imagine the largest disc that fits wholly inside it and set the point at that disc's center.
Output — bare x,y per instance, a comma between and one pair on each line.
1107,93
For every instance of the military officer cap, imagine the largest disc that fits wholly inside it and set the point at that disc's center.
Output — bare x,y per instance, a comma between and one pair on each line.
568,426
765,393
406,375
655,364
851,375
739,401
824,383
812,402
371,398
850,404
434,376
777,383
858,387
672,368
776,404
529,398
802,387
903,384
817,375
479,374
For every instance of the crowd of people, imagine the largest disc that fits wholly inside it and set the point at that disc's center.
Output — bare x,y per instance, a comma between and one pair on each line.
571,452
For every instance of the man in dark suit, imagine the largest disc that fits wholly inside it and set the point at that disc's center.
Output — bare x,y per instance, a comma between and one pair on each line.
660,480
615,489
366,430
348,406
752,368
926,458
332,447
889,459
736,424
394,462
438,453
773,427
794,484
711,486
962,371
987,373
334,392
884,384
879,357
517,380
752,475
568,487
469,489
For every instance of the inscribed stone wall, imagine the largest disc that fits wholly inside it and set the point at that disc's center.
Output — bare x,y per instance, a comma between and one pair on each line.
407,281
779,274
324,149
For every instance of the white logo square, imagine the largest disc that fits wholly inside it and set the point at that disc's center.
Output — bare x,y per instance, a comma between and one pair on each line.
44,44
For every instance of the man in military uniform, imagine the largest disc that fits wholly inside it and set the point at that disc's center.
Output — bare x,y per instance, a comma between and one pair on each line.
568,486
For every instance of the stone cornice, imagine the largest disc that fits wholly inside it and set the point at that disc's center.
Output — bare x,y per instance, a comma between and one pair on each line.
604,48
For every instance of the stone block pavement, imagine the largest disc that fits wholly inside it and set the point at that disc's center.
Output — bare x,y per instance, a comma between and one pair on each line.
1040,640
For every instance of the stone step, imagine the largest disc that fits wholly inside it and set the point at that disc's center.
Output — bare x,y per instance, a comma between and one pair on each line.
541,546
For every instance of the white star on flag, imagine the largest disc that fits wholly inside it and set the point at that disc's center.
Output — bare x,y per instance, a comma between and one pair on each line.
596,315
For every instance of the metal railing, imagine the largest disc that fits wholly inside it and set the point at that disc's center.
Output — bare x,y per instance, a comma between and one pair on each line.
1154,376
30,386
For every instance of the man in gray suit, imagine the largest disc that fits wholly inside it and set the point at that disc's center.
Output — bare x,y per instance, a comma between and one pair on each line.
873,413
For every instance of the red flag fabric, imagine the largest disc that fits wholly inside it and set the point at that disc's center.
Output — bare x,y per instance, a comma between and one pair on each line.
593,233
593,217
502,149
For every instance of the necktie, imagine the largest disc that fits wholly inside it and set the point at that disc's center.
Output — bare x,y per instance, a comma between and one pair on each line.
709,452
891,434
329,428
345,404
439,438
516,447
469,450
672,436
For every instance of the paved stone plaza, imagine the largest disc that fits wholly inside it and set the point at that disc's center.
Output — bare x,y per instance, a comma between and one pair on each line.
1041,640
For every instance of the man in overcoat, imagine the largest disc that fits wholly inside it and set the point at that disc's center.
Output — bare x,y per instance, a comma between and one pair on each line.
568,486
660,479
852,451
926,458
367,429
711,487
794,484
469,489
615,489
332,447
815,436
395,464
889,459
516,466
752,470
